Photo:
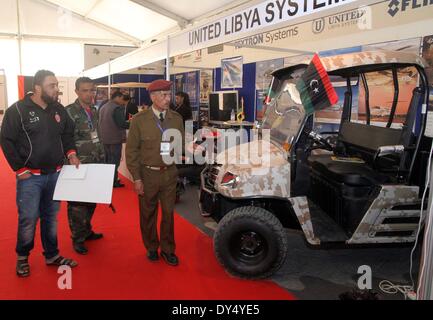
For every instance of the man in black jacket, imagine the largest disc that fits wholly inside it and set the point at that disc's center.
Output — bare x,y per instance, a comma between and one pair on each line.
131,108
183,106
36,136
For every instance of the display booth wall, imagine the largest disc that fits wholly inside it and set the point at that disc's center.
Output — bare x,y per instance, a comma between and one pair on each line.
188,82
248,90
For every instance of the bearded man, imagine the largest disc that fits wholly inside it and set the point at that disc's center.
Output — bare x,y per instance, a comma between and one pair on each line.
36,136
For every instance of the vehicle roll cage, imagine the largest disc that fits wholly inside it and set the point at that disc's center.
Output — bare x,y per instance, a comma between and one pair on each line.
349,73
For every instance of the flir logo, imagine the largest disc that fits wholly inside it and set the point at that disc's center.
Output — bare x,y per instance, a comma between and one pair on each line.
394,6
402,5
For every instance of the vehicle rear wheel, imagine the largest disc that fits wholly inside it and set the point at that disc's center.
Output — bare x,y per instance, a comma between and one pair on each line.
250,243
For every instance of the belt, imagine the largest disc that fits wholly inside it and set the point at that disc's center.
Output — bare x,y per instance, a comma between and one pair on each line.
157,168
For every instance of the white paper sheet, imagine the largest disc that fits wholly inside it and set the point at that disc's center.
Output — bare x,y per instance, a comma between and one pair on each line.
71,172
93,183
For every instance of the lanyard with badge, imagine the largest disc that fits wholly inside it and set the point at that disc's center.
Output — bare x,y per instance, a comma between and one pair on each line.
165,145
93,133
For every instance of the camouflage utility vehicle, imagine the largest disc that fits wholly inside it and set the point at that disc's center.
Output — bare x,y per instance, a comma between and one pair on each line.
362,185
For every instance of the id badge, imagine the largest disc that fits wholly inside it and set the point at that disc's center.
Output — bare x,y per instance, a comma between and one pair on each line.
165,148
93,135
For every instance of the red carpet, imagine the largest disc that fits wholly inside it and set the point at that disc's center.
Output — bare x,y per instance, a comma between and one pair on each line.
116,266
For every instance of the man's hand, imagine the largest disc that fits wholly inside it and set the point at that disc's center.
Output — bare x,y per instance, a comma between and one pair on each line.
74,161
139,188
24,176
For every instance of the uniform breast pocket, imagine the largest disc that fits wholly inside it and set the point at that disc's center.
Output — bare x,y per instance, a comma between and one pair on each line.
149,143
81,126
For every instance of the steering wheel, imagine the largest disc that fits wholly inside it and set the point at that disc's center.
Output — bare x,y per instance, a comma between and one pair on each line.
318,139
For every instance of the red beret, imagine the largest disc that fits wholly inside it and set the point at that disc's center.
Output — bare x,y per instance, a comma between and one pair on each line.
159,85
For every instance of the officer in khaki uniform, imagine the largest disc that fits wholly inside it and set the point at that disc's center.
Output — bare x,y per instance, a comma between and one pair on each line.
155,179
89,150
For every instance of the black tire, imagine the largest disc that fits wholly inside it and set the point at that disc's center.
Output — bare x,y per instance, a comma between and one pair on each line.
250,243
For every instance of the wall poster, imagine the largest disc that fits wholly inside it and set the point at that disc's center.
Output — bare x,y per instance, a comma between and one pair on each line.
231,73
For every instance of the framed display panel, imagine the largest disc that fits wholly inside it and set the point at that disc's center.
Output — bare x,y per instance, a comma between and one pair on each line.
231,73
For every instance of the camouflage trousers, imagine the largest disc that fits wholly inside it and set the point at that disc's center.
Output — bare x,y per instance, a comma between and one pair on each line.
80,217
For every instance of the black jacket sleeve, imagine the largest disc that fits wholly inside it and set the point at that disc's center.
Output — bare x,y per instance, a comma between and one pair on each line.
119,118
11,130
185,112
68,135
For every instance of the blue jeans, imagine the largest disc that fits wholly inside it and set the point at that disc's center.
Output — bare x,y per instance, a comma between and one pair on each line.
34,202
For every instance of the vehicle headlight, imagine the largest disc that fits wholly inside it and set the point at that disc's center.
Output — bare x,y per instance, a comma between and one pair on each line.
229,180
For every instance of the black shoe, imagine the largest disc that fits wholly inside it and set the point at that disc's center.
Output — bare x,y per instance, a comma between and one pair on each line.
170,258
152,255
118,184
80,248
94,236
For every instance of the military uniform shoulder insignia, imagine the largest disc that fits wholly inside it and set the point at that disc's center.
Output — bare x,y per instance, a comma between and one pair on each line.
140,114
176,115
72,111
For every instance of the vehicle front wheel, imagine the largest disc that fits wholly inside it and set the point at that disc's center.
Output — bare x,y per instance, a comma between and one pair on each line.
250,242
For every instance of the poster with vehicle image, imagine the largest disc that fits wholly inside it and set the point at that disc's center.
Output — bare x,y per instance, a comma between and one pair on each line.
381,84
381,94
334,113
412,45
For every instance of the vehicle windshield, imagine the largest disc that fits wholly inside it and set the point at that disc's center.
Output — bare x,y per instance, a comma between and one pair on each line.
285,113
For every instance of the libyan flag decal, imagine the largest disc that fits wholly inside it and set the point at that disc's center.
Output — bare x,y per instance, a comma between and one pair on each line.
315,87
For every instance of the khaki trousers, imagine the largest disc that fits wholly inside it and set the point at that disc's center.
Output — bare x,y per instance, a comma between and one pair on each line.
159,186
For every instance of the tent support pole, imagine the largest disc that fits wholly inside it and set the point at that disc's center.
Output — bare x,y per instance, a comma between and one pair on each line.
19,38
167,61
109,79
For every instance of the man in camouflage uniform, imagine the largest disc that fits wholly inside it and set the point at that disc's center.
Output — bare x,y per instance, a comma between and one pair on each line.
89,150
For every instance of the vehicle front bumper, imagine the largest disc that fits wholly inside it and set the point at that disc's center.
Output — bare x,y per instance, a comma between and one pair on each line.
209,201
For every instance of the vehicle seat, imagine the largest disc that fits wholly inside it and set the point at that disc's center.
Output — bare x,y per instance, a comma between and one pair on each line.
355,174
363,141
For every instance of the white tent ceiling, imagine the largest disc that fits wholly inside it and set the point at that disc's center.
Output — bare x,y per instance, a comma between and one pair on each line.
113,22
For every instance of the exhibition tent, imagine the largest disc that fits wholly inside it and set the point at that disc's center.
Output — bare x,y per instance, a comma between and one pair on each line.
52,33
